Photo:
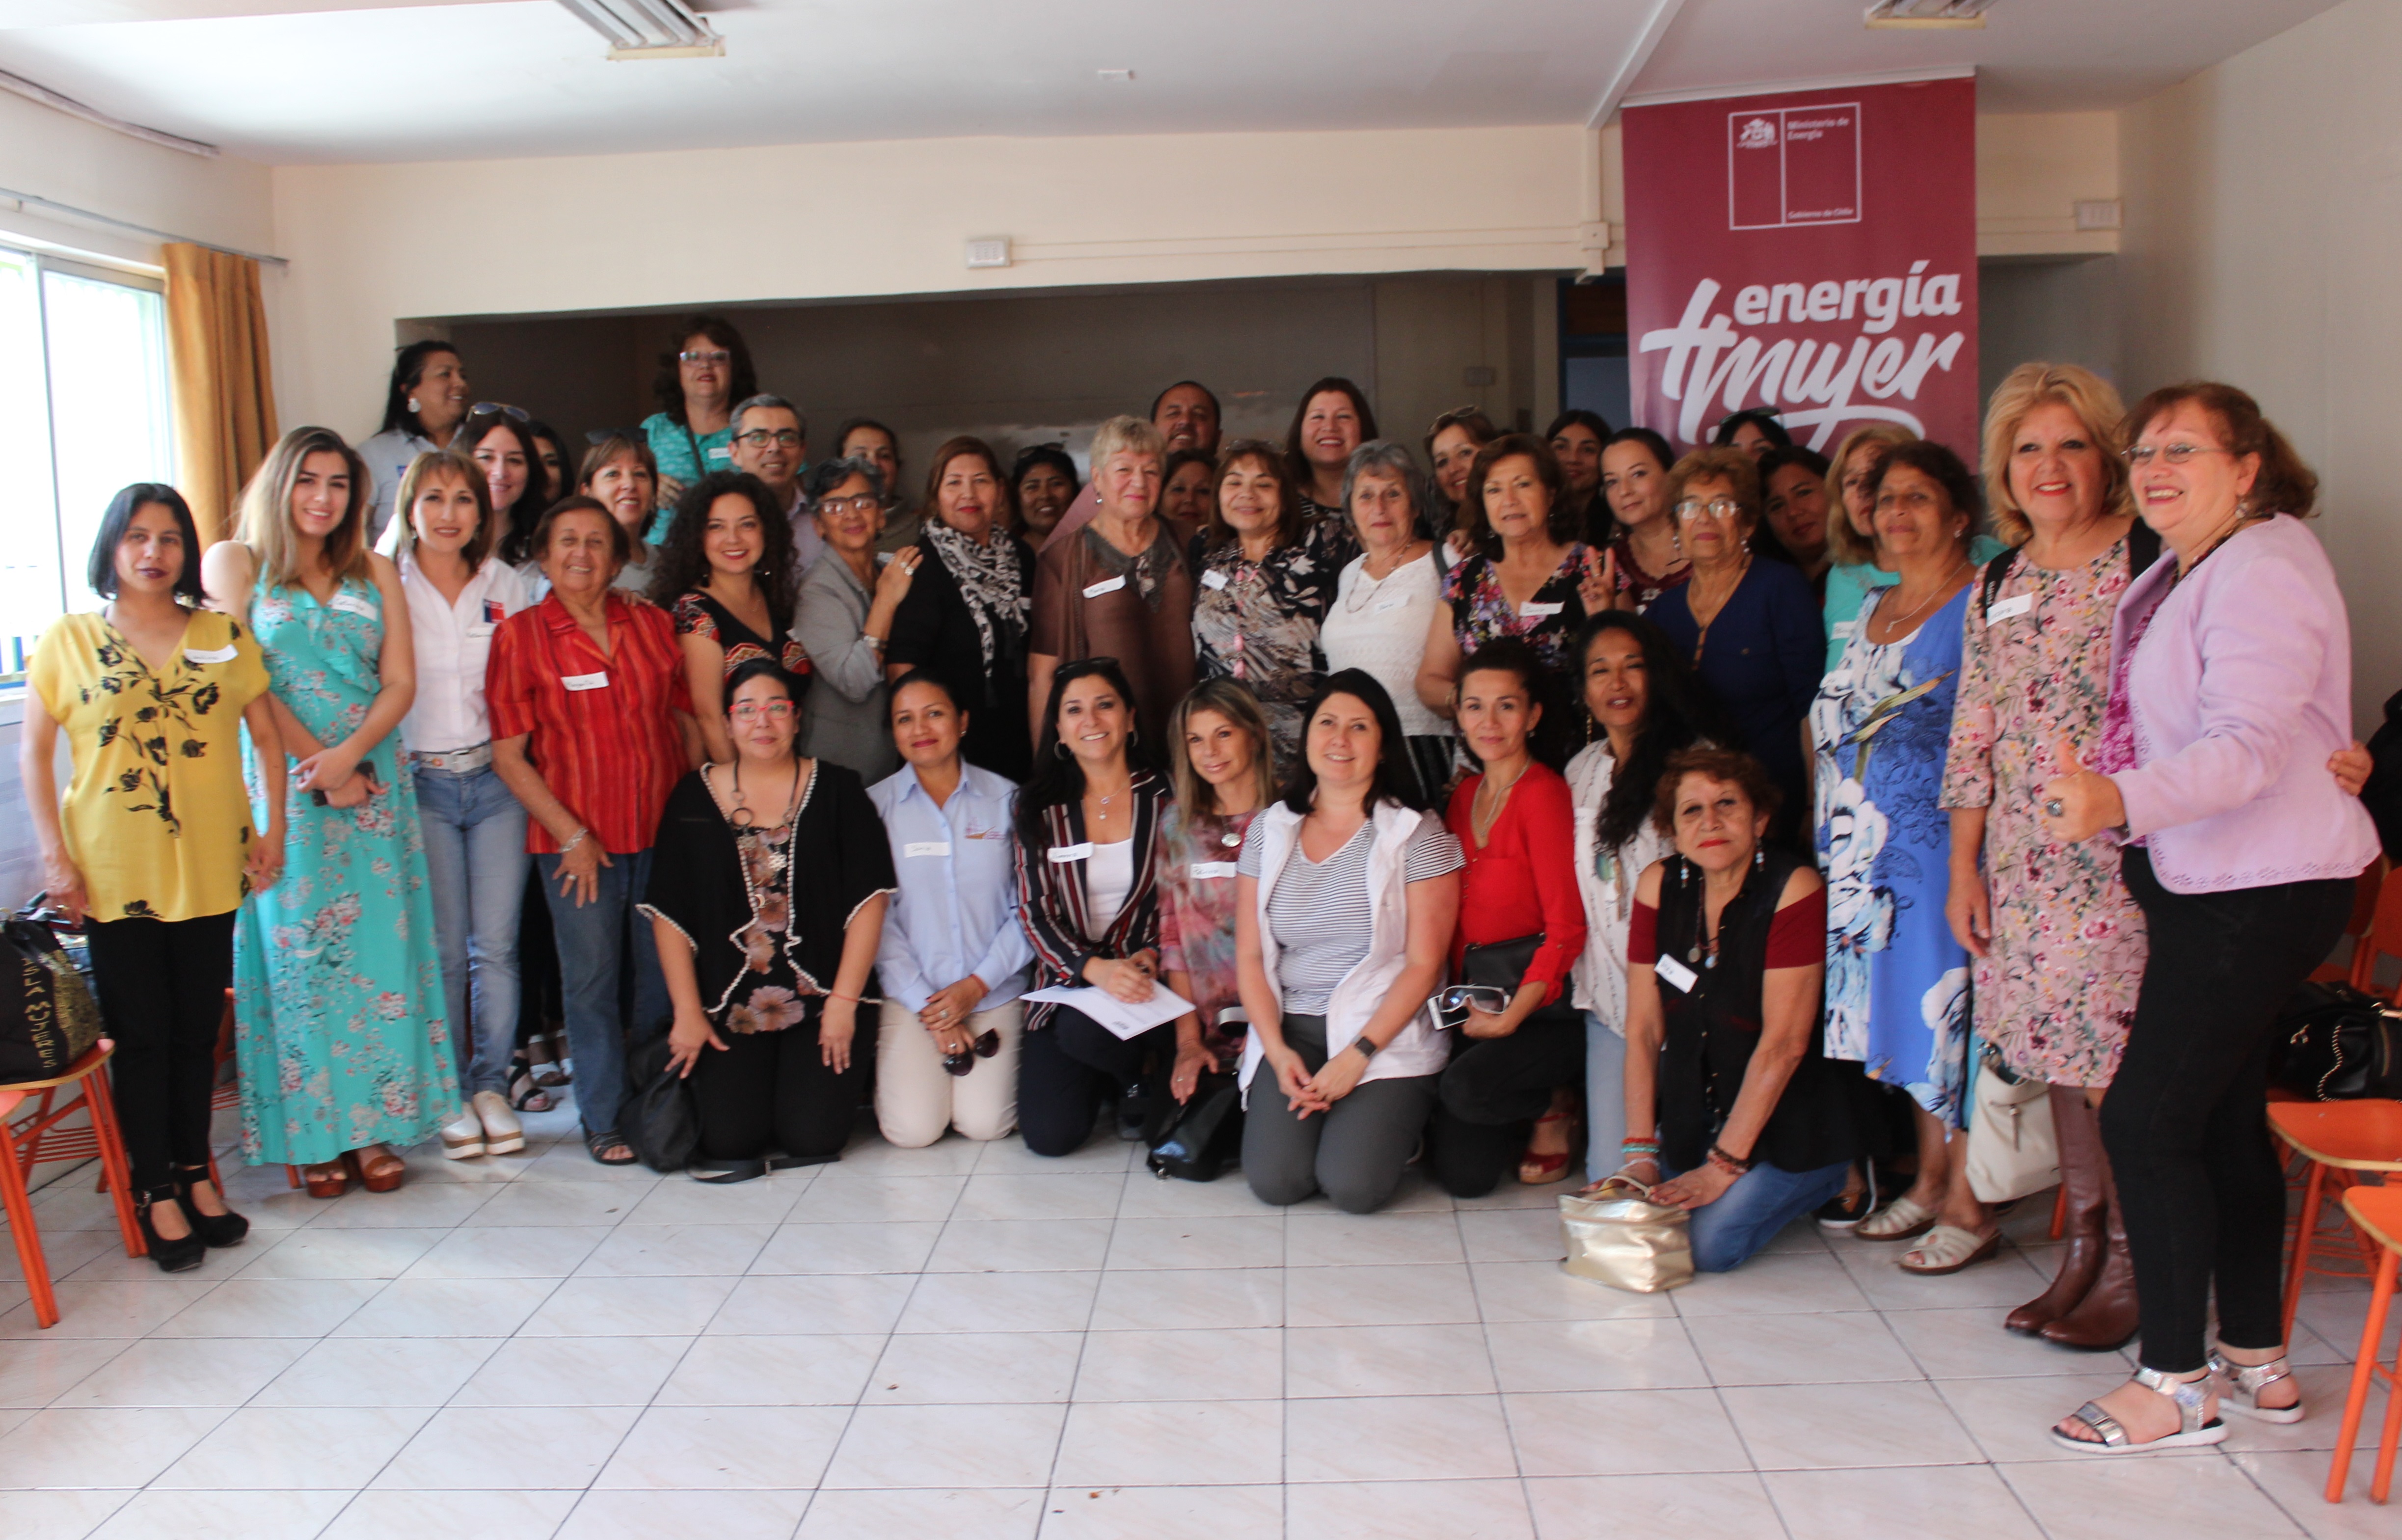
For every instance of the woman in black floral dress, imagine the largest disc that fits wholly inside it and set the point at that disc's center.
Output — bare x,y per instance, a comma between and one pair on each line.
766,974
1266,577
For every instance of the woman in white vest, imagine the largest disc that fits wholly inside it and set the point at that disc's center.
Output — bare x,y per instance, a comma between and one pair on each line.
1346,897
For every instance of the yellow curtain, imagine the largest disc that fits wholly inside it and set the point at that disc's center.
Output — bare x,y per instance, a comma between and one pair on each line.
224,389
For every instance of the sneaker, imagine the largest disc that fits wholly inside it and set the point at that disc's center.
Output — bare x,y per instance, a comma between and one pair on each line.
1841,1214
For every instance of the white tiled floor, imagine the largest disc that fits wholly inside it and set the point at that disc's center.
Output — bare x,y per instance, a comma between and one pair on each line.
968,1341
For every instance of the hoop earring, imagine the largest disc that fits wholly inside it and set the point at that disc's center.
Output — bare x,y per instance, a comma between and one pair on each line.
1061,750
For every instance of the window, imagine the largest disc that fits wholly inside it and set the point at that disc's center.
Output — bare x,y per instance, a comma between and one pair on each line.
83,412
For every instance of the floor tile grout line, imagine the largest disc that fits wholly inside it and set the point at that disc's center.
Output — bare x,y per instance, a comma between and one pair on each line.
1084,1343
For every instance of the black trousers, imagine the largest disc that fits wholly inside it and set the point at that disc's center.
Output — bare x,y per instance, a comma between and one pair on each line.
161,988
1492,1087
2185,1123
771,1092
1071,1067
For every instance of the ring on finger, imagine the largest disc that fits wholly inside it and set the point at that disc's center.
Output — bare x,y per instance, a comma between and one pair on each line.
2054,807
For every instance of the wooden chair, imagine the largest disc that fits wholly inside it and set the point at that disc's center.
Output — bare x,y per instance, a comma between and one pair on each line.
2376,1212
36,1136
2342,1138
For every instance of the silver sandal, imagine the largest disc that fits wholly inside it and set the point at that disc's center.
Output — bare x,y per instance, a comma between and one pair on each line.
2244,1383
2192,1397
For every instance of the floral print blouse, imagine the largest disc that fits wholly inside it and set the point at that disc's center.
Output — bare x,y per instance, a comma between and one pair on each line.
1482,613
1197,855
1257,622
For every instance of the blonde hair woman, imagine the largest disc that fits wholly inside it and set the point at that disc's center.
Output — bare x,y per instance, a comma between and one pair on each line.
339,1026
1218,759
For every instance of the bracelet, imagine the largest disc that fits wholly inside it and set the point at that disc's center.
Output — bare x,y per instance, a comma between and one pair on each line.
837,995
580,832
1728,1163
1638,1146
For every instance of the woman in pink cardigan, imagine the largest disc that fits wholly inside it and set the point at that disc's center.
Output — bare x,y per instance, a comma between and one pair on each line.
2230,686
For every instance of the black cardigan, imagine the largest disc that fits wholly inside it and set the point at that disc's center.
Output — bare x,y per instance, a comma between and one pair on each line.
840,860
933,630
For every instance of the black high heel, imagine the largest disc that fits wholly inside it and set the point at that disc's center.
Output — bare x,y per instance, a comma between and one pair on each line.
177,1255
216,1229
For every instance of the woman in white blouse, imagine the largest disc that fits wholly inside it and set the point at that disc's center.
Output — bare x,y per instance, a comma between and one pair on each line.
1642,704
1387,598
474,829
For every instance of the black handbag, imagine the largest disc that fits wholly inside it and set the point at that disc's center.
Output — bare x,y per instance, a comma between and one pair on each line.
2337,1044
47,1017
658,1119
1495,965
1207,1134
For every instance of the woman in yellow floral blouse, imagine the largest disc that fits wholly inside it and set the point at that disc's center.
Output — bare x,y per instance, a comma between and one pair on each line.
154,846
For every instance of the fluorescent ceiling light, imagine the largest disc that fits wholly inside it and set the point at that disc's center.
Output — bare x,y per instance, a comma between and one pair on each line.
648,29
1928,13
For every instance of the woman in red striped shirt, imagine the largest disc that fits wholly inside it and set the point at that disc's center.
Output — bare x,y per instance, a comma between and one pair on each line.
590,714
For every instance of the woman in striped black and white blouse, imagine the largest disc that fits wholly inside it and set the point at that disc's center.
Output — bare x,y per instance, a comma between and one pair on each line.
1087,890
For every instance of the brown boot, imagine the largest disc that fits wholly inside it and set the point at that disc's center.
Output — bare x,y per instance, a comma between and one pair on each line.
2082,1164
2107,1317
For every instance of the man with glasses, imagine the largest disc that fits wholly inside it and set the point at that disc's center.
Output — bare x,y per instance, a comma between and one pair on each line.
771,441
1186,416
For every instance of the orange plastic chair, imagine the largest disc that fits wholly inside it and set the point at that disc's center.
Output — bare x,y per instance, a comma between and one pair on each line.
2379,931
2341,1138
2376,1213
35,1137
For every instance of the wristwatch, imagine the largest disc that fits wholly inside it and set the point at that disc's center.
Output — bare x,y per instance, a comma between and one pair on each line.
1366,1046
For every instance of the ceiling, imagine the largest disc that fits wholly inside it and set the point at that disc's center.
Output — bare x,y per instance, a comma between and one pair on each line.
288,81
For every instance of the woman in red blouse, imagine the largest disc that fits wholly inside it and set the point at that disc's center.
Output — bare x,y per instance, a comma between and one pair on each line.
1515,821
589,714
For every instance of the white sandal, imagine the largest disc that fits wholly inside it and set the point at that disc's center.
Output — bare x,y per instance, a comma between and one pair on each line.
1948,1249
1899,1221
2192,1399
2241,1385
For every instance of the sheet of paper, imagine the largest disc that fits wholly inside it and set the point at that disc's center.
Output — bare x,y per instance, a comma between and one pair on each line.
1115,1015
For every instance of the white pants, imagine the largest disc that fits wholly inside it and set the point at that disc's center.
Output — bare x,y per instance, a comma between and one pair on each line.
917,1098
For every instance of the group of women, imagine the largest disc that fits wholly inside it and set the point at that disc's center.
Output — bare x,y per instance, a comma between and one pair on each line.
1716,804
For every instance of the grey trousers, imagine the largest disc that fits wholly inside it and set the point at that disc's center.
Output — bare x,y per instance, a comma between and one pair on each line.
1353,1153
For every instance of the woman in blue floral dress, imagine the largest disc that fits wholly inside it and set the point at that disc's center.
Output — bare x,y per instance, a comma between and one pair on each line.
338,1021
1897,979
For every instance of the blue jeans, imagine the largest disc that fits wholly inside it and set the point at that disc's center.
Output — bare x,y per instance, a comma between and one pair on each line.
596,944
476,864
1605,1097
1748,1216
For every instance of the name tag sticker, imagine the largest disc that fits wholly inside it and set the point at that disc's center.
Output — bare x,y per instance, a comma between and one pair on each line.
2005,609
586,681
719,451
209,655
1672,971
1393,602
926,847
1532,608
1204,871
354,604
1107,586
477,633
1211,579
1062,854
1846,627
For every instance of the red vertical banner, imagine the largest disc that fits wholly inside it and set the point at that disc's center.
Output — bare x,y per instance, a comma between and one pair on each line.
1810,252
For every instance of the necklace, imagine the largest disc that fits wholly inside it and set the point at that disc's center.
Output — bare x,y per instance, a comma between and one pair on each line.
2241,519
1940,585
1702,639
741,816
1484,789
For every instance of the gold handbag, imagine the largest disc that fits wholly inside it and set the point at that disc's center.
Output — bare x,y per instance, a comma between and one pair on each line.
1620,1237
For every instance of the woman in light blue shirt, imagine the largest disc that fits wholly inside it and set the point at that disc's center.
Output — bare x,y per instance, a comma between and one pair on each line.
954,958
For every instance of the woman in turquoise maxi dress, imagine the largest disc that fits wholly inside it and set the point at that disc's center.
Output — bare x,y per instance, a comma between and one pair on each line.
338,1017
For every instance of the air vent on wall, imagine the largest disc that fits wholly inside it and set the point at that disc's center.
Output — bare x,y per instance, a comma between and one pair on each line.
1928,13
648,29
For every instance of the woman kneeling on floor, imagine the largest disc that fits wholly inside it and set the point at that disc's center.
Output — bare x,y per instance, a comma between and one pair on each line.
1728,1093
748,951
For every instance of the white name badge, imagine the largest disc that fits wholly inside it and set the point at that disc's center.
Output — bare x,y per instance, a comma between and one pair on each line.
586,681
1675,972
926,847
1846,627
1211,579
1062,854
1395,602
210,654
2017,604
355,604
719,451
1107,586
478,631
1204,871
1531,608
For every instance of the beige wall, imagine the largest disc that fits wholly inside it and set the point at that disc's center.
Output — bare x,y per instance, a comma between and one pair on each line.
2264,209
889,219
